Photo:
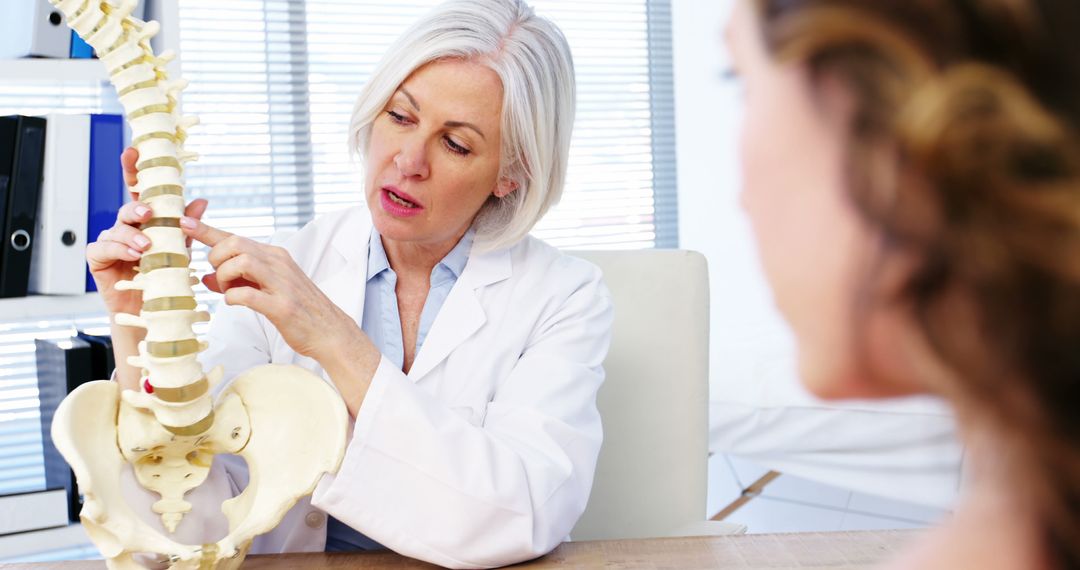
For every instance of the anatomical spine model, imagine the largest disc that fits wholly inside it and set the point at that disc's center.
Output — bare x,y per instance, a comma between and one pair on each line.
170,430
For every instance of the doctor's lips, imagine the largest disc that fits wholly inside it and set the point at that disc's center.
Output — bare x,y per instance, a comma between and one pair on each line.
398,203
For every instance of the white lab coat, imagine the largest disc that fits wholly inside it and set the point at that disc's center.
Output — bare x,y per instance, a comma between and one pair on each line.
484,454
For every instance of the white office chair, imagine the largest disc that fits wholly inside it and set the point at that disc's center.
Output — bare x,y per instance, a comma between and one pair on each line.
651,479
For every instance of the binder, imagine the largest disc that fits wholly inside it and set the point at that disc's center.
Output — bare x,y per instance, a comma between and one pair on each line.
33,28
62,366
106,182
19,219
102,361
82,50
8,130
59,252
79,48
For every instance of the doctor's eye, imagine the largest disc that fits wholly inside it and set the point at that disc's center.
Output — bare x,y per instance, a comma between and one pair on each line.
398,118
456,148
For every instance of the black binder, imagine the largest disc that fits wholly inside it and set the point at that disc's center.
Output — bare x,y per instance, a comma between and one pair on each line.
102,361
8,134
62,366
18,215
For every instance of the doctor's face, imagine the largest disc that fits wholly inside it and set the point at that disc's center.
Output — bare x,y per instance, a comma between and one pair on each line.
434,152
814,246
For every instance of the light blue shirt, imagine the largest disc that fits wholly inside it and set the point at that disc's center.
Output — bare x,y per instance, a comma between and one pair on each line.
382,324
382,319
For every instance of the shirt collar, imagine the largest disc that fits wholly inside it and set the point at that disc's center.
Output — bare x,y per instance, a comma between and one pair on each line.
377,261
454,262
457,258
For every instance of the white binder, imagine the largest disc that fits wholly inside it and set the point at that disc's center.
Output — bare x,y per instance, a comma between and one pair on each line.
58,261
33,28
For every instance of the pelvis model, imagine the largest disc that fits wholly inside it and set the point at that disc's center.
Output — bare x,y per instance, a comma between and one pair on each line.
286,423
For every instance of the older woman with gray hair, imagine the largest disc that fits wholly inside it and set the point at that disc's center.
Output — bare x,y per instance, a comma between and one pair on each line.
468,353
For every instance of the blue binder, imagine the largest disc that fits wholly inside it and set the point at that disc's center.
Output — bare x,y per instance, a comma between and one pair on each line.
82,50
79,48
106,178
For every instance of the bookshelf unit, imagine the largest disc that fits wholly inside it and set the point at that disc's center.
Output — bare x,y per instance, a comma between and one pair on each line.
87,72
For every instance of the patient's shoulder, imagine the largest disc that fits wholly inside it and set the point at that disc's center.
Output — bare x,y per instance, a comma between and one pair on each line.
961,544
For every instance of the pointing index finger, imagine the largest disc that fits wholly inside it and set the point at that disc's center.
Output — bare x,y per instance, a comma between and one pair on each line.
201,232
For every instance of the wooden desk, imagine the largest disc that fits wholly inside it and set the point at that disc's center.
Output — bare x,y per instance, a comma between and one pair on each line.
833,551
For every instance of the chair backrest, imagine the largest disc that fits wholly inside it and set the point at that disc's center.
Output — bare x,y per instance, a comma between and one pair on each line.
652,474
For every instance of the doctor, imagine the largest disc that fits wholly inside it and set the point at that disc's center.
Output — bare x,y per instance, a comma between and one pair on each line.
468,353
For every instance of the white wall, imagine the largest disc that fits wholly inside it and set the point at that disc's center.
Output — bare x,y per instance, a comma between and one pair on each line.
759,410
707,110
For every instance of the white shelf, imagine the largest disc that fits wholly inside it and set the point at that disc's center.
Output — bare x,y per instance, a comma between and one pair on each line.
53,70
27,543
49,306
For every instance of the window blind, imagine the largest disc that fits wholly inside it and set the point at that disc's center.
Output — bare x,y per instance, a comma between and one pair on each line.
273,83
246,64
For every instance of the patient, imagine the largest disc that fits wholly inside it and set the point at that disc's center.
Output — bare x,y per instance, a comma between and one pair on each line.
912,171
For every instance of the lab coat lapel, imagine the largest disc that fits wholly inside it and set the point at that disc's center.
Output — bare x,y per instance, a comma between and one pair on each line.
346,288
461,314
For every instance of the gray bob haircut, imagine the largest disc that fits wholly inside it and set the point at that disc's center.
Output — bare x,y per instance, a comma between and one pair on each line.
532,58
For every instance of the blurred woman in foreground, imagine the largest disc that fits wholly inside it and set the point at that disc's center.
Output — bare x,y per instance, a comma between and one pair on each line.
912,170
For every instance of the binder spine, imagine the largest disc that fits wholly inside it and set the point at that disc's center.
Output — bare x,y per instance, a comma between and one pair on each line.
8,130
31,28
58,259
106,179
62,365
21,221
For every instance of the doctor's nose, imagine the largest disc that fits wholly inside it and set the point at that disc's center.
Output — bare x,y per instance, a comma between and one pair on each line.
411,161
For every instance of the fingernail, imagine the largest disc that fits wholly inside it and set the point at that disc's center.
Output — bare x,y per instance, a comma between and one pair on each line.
142,241
134,252
188,222
141,211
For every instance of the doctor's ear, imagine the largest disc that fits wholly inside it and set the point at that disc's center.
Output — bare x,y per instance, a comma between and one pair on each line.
505,187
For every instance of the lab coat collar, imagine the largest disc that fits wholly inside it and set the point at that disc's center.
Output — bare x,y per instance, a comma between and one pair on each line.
351,240
462,314
346,288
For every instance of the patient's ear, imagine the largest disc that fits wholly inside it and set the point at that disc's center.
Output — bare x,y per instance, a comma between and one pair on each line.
505,187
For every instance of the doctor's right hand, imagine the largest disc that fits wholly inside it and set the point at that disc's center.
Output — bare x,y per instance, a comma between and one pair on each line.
117,250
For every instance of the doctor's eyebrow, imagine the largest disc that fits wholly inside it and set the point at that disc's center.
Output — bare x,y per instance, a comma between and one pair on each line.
452,124
411,99
449,124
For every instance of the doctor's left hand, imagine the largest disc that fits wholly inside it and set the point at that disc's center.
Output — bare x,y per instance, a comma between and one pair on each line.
265,279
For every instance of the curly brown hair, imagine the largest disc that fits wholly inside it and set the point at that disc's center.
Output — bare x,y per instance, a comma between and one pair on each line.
966,152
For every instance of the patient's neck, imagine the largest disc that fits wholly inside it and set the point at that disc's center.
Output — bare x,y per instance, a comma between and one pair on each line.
994,526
